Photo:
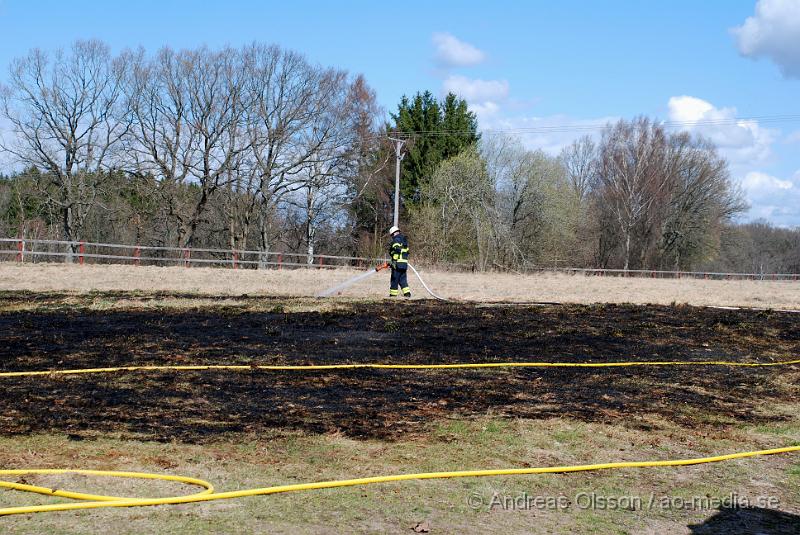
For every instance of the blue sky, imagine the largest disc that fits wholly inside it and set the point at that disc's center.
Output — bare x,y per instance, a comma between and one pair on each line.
519,64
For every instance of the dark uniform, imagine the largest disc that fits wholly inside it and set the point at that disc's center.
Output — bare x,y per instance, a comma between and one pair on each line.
398,252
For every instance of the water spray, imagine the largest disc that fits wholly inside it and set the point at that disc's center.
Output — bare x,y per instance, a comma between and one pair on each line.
346,284
361,276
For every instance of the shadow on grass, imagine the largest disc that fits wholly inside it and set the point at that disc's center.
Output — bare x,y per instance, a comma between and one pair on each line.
748,521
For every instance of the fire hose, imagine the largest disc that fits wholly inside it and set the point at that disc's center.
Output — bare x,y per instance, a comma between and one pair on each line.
93,501
361,276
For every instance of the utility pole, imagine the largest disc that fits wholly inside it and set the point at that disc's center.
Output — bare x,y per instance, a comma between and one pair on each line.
398,146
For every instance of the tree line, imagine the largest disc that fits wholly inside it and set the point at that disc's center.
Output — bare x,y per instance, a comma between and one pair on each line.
257,148
639,198
240,148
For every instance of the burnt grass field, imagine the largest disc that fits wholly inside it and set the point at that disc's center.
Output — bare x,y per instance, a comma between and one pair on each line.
56,331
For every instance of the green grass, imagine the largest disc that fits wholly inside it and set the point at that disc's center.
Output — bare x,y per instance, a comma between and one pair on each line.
782,430
488,442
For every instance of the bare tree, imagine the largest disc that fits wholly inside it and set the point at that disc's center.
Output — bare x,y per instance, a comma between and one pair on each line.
702,198
65,120
187,109
330,146
238,202
535,203
580,164
216,111
632,174
283,96
370,186
161,143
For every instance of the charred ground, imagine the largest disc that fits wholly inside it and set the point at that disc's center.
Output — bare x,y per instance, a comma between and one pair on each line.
52,331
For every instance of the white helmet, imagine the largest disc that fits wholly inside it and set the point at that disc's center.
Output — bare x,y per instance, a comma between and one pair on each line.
394,229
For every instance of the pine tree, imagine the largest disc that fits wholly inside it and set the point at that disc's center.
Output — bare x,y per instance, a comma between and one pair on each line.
436,131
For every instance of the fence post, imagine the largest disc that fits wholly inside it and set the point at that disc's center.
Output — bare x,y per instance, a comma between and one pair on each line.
136,254
280,261
187,255
235,260
81,250
320,262
20,250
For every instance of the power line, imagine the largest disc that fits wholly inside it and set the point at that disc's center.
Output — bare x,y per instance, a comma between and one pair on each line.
598,125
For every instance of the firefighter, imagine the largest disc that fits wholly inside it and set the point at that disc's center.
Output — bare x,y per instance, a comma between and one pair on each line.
398,252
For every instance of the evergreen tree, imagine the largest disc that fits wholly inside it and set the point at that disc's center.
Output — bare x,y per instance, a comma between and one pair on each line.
436,131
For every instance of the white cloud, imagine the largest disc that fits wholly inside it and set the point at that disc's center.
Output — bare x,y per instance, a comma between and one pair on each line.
475,89
688,109
773,32
485,110
757,182
773,198
743,142
746,145
452,52
483,96
551,133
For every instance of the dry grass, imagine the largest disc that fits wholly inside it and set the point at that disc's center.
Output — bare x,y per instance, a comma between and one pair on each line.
478,287
448,506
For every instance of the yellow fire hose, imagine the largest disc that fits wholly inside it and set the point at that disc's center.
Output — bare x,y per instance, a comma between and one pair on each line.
321,367
92,501
207,495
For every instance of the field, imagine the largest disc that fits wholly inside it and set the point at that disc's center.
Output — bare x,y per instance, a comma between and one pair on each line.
493,287
257,428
